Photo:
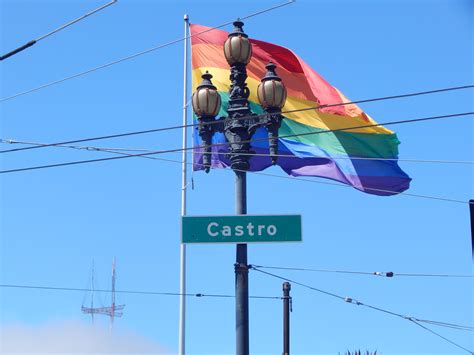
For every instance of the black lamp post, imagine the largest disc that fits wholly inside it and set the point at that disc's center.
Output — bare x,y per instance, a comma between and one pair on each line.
238,128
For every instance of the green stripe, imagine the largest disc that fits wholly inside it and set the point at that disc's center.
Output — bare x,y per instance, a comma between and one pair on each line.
254,107
336,143
348,143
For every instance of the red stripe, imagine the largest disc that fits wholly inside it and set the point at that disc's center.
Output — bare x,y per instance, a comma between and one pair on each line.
302,77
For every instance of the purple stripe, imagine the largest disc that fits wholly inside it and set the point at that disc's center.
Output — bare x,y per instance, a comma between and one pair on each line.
319,167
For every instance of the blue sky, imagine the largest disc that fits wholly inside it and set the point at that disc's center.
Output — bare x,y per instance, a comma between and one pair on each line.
55,221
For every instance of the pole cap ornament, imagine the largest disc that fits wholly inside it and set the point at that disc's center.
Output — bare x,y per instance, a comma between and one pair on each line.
237,47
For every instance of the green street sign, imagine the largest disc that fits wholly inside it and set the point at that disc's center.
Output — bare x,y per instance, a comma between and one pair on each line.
241,229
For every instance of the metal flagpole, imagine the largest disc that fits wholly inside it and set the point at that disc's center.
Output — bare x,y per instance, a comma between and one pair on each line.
182,274
471,211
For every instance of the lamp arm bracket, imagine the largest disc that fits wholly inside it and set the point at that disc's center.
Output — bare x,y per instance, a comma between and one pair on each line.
220,124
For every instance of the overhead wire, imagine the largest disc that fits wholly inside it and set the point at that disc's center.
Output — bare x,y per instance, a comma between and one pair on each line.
226,143
359,303
199,33
34,41
447,325
92,148
138,292
441,336
383,98
76,20
8,141
254,116
354,301
147,156
132,56
373,273
251,140
366,188
389,123
123,156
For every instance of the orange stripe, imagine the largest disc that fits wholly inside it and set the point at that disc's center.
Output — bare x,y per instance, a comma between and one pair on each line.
301,80
209,55
318,119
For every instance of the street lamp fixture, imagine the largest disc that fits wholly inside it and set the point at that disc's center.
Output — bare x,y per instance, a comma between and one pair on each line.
206,105
271,95
271,92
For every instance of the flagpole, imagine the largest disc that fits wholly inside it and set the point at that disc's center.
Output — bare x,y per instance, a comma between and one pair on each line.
182,273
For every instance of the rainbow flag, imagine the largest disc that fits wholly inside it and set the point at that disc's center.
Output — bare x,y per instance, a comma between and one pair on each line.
331,155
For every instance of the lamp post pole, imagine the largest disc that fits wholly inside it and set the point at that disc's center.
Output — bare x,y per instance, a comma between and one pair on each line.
241,272
238,132
471,211
239,127
286,317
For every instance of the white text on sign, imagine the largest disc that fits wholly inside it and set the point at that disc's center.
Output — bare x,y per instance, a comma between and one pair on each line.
214,229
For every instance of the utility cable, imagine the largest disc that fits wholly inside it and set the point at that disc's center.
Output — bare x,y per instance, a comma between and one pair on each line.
245,141
301,179
34,41
441,336
257,116
433,161
8,141
111,149
132,56
147,156
389,123
130,291
124,155
374,273
259,173
387,98
447,325
366,188
358,303
351,300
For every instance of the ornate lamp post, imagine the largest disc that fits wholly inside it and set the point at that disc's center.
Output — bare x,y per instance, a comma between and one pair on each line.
238,128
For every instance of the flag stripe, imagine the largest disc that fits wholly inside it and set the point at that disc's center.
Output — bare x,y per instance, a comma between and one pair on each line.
295,83
310,83
346,143
314,118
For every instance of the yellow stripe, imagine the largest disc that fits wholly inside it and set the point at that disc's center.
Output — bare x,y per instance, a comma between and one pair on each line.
322,120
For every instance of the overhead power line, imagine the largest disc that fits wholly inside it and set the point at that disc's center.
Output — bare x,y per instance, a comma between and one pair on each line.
294,178
441,336
390,123
137,292
141,53
112,149
420,93
125,154
90,139
429,197
34,41
252,117
222,144
154,130
374,273
358,303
